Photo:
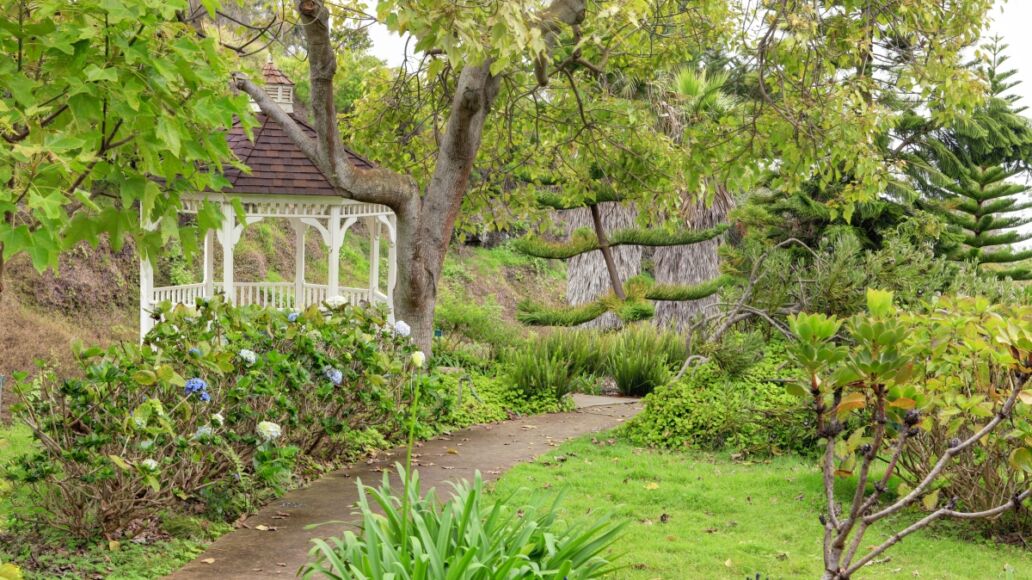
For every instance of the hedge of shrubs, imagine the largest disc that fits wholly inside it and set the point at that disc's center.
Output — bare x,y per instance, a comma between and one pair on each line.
217,406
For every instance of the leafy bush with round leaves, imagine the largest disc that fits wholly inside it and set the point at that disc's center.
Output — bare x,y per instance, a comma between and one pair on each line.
708,409
216,400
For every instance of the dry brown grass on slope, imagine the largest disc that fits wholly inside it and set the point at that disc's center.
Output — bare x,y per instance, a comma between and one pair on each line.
92,298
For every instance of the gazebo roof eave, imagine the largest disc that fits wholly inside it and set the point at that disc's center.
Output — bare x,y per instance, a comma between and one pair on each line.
286,204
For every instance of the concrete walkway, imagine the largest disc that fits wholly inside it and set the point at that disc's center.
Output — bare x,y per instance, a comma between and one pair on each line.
279,547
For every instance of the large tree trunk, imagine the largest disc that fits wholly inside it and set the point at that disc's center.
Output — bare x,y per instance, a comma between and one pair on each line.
425,222
587,277
692,264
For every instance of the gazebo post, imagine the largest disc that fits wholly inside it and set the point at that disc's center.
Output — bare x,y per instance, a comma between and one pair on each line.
392,260
146,285
333,267
299,263
227,237
209,264
374,257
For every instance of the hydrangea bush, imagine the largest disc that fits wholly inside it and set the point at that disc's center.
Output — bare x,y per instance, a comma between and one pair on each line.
216,398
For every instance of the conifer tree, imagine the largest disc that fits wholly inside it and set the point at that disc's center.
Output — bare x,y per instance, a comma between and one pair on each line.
980,166
630,300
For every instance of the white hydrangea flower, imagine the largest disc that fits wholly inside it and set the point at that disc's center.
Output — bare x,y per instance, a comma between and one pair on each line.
418,358
249,356
268,430
218,420
203,431
335,301
146,444
402,328
149,465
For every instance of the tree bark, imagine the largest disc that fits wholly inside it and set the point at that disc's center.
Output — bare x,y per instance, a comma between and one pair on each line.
587,276
691,264
425,223
607,253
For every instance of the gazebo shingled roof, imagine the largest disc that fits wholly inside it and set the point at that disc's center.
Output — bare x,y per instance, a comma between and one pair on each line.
277,164
272,75
282,183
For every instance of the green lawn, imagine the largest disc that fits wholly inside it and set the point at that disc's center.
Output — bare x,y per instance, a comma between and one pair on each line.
697,515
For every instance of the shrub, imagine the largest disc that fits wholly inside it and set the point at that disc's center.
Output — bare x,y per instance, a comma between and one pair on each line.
737,352
712,410
466,537
641,358
959,364
462,320
217,400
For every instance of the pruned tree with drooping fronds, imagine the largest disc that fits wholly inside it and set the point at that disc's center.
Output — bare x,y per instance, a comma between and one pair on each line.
976,172
629,300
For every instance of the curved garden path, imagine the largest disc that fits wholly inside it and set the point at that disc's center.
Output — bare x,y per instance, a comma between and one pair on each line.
279,547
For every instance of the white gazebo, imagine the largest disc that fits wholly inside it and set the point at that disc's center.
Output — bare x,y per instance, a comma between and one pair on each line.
283,183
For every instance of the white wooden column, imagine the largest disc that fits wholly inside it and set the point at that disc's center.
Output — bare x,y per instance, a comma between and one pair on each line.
333,267
392,260
146,284
228,238
299,263
374,258
209,264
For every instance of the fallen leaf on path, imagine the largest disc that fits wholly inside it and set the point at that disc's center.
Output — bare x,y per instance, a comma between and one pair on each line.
453,451
208,561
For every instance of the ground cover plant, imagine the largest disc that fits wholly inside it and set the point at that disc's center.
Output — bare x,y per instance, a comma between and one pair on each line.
703,515
742,411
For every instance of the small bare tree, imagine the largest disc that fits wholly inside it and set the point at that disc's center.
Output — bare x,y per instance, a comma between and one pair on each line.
898,371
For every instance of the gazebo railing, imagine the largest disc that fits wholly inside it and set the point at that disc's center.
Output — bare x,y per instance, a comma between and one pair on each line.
315,293
185,294
268,294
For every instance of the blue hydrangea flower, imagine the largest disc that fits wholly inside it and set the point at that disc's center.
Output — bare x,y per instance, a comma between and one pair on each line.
195,351
205,397
335,376
195,385
292,317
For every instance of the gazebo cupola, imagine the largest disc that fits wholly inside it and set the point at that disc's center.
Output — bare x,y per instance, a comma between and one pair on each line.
282,183
279,88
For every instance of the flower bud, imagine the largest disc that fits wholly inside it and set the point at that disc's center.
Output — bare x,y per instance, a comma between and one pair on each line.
418,359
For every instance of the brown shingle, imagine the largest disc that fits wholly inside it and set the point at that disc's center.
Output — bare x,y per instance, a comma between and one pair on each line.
278,166
273,76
